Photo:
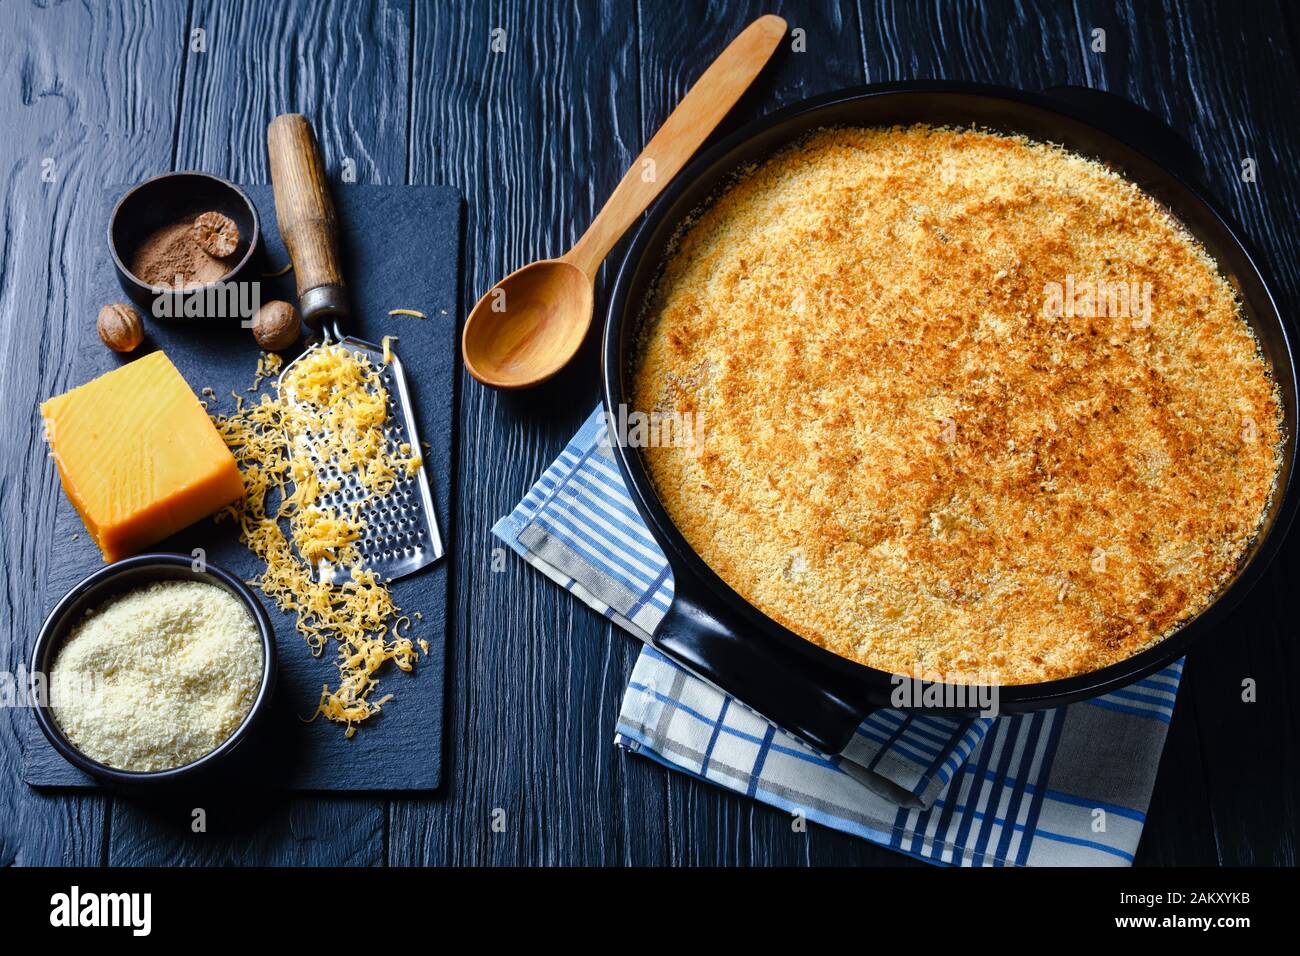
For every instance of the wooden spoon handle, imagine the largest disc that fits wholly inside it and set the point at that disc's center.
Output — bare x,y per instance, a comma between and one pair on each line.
703,107
305,212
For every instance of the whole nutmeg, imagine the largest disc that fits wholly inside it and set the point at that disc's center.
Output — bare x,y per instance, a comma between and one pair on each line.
276,326
216,234
120,327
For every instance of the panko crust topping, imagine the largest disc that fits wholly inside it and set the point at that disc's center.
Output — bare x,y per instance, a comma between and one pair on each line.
926,447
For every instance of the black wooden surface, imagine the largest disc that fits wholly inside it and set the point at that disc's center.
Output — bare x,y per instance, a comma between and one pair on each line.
401,748
536,136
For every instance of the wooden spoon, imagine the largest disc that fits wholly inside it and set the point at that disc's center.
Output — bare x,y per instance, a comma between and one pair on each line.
531,323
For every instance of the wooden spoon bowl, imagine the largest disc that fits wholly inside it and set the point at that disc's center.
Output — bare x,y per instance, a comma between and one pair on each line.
532,322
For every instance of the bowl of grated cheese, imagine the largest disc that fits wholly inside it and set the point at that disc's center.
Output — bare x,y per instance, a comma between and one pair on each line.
153,669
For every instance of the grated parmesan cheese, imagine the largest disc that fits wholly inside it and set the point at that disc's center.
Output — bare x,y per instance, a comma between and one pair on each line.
157,677
338,398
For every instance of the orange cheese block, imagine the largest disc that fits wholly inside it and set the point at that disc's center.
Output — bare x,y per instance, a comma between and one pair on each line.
138,455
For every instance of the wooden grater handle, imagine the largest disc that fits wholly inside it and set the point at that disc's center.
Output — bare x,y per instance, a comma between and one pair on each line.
305,212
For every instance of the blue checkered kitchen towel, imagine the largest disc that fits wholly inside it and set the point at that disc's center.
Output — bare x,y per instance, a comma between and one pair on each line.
1058,787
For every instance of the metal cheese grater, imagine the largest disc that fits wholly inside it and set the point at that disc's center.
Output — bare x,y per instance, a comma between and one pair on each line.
401,533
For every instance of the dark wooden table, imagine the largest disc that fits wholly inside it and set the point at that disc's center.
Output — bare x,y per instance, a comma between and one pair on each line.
535,136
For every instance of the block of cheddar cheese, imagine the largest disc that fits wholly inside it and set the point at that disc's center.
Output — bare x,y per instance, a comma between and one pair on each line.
138,456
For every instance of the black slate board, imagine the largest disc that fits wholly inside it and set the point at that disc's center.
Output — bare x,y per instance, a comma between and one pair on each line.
401,247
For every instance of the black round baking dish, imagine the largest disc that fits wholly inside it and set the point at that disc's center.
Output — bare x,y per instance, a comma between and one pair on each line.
716,633
115,579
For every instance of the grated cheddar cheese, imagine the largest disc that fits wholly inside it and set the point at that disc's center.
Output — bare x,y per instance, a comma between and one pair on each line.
338,399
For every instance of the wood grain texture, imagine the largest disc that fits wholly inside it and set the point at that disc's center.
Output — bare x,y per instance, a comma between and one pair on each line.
268,830
342,62
87,95
1029,45
536,136
304,207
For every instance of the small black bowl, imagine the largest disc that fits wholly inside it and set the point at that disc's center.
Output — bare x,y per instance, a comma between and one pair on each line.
115,579
163,200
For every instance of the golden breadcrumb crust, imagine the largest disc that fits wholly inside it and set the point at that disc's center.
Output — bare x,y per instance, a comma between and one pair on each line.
912,462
